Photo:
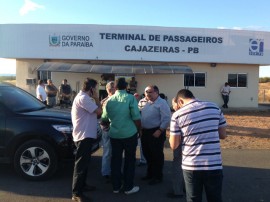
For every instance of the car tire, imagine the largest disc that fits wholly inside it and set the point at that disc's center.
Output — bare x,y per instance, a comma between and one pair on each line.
35,160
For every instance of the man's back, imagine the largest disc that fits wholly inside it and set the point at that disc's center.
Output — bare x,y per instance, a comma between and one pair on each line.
198,123
122,110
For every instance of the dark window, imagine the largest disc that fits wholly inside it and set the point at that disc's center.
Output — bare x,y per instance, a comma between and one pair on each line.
189,80
44,75
237,80
195,79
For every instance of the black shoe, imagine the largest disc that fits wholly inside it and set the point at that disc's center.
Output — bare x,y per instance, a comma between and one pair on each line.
107,178
80,198
154,181
146,178
172,195
89,188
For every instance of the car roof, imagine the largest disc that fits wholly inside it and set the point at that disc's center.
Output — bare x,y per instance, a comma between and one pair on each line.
5,84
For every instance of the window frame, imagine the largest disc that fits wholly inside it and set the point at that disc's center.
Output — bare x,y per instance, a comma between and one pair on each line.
194,79
44,75
237,80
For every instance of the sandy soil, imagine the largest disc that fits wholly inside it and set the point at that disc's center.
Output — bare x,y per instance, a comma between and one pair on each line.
247,130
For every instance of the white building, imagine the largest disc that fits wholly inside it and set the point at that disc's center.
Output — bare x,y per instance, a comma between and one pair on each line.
172,58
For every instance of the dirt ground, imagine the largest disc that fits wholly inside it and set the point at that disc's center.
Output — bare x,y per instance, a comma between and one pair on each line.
247,130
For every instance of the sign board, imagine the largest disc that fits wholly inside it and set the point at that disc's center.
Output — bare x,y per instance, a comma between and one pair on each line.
134,43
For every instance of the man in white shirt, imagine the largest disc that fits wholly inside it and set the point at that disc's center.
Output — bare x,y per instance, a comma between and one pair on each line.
225,92
40,91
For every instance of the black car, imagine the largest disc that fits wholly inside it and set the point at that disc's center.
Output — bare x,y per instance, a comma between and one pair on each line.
33,138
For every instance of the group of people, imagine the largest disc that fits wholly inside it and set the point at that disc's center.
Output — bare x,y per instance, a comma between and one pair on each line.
196,128
48,93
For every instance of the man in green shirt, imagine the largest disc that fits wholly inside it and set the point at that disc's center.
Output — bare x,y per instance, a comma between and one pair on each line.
123,113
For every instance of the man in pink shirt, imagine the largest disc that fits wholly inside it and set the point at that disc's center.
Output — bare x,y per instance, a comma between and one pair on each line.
85,110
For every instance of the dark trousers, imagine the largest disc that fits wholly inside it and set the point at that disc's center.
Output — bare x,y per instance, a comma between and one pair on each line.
82,159
128,146
102,94
177,174
210,180
225,100
153,152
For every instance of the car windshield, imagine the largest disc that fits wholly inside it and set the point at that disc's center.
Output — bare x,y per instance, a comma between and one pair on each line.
18,100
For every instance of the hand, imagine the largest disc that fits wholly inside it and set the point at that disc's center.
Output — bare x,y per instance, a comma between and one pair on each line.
139,134
157,133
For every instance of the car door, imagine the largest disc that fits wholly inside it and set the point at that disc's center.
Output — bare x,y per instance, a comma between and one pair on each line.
2,129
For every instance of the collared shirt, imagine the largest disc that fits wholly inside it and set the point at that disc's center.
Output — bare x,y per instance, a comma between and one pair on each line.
197,123
41,91
225,90
155,114
121,110
51,90
84,118
102,85
105,125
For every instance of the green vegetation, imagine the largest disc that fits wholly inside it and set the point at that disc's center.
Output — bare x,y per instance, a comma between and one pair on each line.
264,79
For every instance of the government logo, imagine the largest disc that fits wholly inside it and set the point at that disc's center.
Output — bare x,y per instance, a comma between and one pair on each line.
54,40
256,47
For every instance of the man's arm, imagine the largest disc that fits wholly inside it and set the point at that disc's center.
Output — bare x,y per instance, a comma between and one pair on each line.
99,110
222,132
174,141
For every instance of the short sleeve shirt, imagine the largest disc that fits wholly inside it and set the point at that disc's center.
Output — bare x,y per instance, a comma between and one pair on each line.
84,118
121,110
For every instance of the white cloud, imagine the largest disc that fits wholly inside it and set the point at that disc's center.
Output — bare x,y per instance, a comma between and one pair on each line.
254,28
29,6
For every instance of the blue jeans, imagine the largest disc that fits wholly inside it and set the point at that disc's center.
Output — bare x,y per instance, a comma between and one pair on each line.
142,158
210,180
107,153
128,146
177,174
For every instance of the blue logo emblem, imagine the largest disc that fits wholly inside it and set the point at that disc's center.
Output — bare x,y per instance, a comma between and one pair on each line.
256,47
54,40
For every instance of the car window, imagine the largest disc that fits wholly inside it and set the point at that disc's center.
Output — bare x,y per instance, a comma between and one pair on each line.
18,100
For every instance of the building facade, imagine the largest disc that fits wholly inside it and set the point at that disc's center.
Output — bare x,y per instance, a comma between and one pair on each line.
172,58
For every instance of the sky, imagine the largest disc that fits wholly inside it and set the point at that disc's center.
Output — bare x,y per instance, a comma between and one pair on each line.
229,14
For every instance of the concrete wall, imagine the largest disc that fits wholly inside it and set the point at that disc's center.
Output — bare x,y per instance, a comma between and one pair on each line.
168,84
27,69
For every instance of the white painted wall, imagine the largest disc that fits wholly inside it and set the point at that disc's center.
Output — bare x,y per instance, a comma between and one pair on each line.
168,84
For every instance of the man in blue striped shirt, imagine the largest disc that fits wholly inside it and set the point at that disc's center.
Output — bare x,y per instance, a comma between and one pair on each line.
199,126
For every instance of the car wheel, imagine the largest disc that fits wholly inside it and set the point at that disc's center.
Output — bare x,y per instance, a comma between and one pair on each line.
35,160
